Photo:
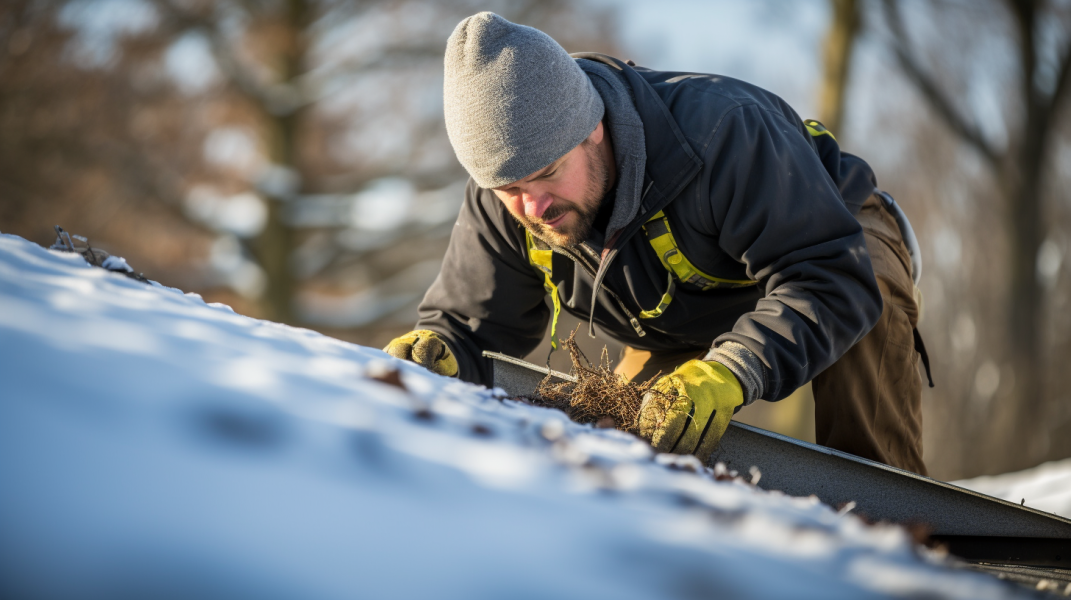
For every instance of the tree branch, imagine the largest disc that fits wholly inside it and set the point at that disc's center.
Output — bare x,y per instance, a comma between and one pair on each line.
927,86
275,99
317,81
287,97
228,63
1064,75
1024,11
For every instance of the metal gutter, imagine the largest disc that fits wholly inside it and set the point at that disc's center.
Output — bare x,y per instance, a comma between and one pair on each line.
974,526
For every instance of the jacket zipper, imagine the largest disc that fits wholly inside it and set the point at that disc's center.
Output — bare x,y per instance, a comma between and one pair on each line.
601,273
576,258
597,276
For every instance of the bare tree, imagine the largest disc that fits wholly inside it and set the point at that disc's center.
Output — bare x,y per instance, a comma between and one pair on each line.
837,52
67,130
330,94
1019,168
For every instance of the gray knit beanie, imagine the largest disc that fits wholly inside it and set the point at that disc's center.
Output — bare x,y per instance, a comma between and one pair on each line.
515,101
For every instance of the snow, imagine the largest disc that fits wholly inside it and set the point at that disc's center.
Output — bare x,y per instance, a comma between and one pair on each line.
1046,487
116,263
153,445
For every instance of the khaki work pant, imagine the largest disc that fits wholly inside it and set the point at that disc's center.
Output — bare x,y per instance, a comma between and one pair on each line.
868,403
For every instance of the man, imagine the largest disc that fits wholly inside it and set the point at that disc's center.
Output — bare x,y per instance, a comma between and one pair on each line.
694,218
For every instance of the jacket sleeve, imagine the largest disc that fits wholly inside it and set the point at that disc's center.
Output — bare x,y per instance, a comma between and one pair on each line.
778,211
487,296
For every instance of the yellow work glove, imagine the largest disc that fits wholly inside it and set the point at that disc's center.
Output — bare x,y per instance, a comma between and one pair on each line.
426,349
687,411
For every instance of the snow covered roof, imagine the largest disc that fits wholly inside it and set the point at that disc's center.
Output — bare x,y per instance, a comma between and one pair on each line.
153,445
1046,487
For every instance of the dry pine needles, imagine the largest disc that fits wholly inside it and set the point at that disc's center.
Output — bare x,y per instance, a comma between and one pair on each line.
598,395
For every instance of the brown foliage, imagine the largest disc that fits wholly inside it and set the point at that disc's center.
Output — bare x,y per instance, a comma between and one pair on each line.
104,150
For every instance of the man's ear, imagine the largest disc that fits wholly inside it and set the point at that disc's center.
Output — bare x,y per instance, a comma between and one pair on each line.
597,136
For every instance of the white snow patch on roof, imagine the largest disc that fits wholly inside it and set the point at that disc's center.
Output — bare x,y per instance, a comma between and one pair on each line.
152,445
1045,487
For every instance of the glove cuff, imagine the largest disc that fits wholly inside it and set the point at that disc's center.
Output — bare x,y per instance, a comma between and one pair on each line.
745,365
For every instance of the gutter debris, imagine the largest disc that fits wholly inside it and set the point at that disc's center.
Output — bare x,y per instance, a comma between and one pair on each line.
972,526
65,242
593,393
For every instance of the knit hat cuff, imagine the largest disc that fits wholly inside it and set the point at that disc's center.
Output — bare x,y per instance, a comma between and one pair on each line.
514,100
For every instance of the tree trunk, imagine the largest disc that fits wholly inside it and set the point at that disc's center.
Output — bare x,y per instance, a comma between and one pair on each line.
1023,209
275,245
1024,214
273,248
836,62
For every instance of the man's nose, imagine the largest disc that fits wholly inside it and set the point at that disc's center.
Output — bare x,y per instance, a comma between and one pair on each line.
535,206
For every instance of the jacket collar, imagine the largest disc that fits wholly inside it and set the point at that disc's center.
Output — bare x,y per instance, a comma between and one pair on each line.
671,162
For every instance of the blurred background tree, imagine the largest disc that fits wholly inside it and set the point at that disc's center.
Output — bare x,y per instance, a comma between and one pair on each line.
986,86
94,138
288,158
1016,142
297,145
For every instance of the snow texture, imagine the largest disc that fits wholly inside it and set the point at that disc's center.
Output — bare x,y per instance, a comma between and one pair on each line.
116,263
1046,487
154,446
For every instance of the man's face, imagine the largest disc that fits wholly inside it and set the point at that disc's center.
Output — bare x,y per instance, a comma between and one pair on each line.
558,204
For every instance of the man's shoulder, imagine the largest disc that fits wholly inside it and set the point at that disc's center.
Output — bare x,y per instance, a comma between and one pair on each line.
669,85
698,102
712,87
704,100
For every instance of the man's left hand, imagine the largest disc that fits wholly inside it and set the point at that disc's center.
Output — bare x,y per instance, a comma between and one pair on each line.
687,411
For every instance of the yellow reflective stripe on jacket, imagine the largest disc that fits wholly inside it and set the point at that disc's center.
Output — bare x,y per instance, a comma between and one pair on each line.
665,246
543,260
816,129
663,304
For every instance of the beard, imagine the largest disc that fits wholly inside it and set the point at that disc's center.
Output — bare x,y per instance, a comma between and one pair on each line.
586,210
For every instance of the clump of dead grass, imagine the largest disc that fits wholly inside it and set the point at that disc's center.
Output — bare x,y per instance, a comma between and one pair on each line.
598,395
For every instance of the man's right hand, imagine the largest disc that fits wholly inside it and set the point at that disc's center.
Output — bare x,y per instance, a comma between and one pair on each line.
426,349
